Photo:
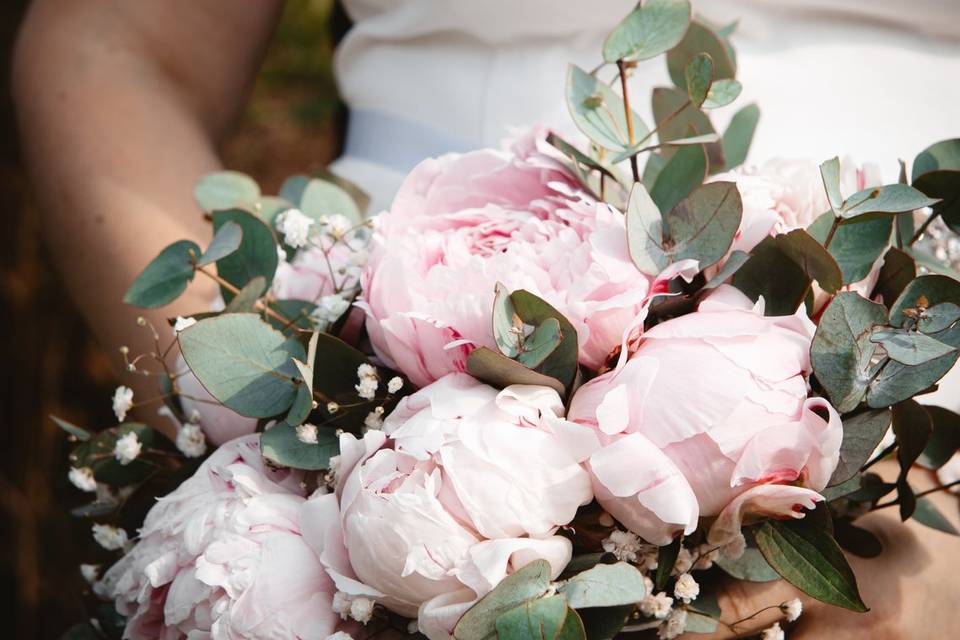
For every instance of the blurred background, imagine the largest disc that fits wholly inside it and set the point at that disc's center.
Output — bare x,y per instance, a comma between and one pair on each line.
53,366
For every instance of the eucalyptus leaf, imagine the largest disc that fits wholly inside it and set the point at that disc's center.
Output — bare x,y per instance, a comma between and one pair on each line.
271,207
98,454
506,323
245,301
939,156
739,135
858,541
699,77
479,622
561,363
683,173
939,317
227,190
702,225
700,623
862,432
500,371
652,28
360,197
666,559
604,623
841,352
293,187
854,246
539,619
731,265
165,277
583,159
699,38
936,172
281,446
805,555
645,232
935,288
599,112
721,93
321,198
912,426
772,274
896,381
909,347
945,439
257,255
605,585
79,433
891,198
540,344
926,513
298,312
677,120
244,363
830,173
897,272
225,241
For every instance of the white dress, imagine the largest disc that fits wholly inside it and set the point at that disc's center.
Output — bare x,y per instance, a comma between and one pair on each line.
877,80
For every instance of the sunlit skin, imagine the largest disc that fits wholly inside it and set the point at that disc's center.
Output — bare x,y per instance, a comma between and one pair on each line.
122,106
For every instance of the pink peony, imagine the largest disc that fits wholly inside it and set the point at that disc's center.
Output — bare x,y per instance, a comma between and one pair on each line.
464,485
222,557
462,223
710,417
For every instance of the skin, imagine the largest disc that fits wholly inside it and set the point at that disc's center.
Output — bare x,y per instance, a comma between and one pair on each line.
122,105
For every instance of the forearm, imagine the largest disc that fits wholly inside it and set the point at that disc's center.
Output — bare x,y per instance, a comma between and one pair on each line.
115,138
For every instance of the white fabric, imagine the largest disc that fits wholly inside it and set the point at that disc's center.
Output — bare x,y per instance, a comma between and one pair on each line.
870,78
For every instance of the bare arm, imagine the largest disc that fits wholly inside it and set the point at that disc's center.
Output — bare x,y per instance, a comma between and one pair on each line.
121,106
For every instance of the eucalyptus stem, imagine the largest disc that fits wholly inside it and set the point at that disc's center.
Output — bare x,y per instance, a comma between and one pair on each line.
896,501
923,227
628,113
833,231
259,305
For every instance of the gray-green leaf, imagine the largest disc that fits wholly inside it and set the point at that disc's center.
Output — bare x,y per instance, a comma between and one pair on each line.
280,445
650,29
165,278
478,623
605,585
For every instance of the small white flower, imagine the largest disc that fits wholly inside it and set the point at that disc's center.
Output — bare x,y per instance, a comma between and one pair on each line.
336,225
686,588
648,585
773,633
90,572
191,441
333,407
182,323
295,227
374,419
734,549
684,562
366,370
605,519
339,635
281,255
367,389
307,433
82,478
623,544
128,448
194,417
330,308
706,556
110,538
395,384
674,625
792,609
648,557
413,627
122,402
341,604
361,610
656,606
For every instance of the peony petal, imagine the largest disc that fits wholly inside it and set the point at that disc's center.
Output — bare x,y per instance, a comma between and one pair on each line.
762,501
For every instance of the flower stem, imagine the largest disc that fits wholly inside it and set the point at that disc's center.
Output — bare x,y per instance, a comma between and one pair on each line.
628,113
259,304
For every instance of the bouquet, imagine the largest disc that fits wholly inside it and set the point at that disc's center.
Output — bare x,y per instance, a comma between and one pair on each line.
564,389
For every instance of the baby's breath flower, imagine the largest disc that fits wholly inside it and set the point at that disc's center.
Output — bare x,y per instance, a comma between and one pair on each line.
366,370
686,588
361,610
367,388
90,572
307,433
330,308
127,449
339,635
622,544
395,384
734,549
122,402
674,625
191,441
792,609
374,419
110,538
656,606
182,323
335,225
82,478
295,227
333,407
684,562
772,633
706,556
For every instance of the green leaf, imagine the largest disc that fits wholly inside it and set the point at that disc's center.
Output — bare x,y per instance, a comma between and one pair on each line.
751,566
98,454
573,628
926,513
699,623
872,488
896,381
246,300
605,585
292,189
335,369
807,557
855,246
280,445
722,93
841,352
652,28
897,272
830,173
934,287
702,225
699,77
506,323
165,278
699,39
583,159
706,139
321,198
561,363
271,207
939,317
731,265
891,198
942,155
677,120
604,623
539,619
815,261
478,623
858,541
359,196
79,433
598,112
244,363
645,232
912,426
257,255
683,173
945,439
739,135
862,433
225,241
540,344
297,311
666,559
909,347
936,172
227,190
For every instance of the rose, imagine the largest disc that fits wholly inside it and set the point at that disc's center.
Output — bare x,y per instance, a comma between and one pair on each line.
464,485
710,417
223,557
462,223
